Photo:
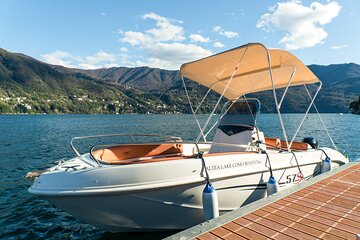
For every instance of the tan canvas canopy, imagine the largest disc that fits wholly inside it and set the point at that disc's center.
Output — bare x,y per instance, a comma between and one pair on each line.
252,70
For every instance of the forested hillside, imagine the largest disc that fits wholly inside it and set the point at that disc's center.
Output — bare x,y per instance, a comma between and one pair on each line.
31,86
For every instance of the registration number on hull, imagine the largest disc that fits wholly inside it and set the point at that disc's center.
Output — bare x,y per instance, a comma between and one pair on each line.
292,178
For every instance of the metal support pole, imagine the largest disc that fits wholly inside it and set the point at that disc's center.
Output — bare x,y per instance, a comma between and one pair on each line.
306,113
322,122
276,102
192,110
221,96
288,85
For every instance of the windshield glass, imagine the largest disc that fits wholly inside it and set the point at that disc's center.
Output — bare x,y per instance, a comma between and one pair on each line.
240,112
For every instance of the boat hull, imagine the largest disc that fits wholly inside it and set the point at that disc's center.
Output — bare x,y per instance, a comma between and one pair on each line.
168,195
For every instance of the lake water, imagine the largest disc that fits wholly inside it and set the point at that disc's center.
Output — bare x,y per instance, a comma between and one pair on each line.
34,142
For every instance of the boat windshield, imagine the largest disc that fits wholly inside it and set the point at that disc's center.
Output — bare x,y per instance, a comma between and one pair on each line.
240,112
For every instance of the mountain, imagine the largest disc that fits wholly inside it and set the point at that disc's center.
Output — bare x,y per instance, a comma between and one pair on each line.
143,78
333,73
28,85
341,85
31,86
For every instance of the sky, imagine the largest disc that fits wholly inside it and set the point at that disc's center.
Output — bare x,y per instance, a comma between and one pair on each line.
164,34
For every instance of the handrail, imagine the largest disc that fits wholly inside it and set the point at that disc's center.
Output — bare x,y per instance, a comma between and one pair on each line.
196,144
118,144
131,135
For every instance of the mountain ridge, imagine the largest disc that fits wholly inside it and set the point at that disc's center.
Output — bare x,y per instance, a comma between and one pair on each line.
142,89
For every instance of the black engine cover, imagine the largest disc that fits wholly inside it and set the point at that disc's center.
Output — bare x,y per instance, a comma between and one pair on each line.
312,142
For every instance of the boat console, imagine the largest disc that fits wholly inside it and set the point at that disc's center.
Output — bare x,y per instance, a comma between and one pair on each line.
237,126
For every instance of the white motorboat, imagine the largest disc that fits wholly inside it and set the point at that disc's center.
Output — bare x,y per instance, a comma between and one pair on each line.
158,185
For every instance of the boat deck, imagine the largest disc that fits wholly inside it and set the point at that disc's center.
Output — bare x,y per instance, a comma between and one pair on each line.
326,207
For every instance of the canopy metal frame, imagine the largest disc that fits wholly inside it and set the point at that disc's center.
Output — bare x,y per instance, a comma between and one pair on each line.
278,104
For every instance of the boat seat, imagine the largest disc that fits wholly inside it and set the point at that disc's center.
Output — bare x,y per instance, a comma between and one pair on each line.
133,151
281,144
272,142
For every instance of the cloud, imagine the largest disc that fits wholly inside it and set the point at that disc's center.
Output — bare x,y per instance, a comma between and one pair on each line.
165,30
302,24
59,58
218,45
172,55
136,38
100,59
162,45
229,34
339,46
124,49
198,38
92,66
103,13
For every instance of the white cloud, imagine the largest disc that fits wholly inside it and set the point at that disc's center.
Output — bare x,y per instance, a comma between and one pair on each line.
165,29
125,60
302,23
88,66
172,55
124,49
100,59
58,58
100,56
229,34
198,38
103,13
163,45
339,46
135,38
218,45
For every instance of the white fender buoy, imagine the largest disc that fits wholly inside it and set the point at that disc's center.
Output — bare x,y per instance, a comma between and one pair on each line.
272,186
210,202
326,165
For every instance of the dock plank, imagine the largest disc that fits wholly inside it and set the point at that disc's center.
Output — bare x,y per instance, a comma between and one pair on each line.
265,223
208,236
248,233
331,189
299,231
316,221
319,204
325,214
346,216
327,207
221,232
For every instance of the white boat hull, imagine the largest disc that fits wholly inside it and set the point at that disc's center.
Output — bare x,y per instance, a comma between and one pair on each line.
168,195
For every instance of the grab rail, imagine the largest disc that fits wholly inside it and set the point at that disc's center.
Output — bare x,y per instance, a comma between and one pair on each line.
117,144
168,137
118,135
195,144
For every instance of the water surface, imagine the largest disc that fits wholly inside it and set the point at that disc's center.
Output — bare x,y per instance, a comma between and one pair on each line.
33,142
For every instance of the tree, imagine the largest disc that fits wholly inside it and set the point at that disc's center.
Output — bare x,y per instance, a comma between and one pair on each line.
5,108
355,106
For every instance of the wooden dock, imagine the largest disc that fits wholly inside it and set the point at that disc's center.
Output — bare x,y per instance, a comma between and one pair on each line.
326,207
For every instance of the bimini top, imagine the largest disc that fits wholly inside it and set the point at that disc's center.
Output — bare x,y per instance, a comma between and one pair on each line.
250,66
